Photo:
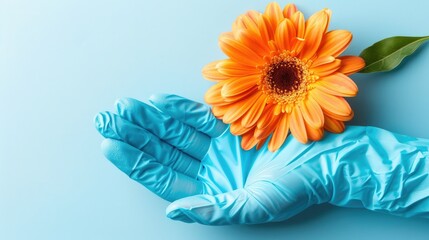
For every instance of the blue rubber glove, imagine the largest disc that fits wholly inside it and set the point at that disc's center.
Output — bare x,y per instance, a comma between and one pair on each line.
182,153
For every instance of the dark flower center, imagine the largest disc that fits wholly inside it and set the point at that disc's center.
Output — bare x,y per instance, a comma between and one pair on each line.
284,77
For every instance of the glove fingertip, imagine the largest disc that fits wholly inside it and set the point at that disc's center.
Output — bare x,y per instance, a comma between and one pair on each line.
197,208
116,152
105,123
159,97
125,103
174,206
179,215
99,122
109,149
119,102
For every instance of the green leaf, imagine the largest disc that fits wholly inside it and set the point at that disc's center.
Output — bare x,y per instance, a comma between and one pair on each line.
388,53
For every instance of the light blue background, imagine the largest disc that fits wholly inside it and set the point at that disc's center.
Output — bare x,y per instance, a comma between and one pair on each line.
63,61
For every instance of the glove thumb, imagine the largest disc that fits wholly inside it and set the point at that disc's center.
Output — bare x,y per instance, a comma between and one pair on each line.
234,207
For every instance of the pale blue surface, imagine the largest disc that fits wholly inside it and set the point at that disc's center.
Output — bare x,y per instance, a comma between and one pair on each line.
63,61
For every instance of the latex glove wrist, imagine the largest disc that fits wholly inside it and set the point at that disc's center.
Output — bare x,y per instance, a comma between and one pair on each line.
384,172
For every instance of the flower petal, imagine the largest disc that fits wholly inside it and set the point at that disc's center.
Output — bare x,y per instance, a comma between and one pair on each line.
238,51
220,110
270,29
211,73
330,103
253,41
299,23
333,125
232,68
342,118
315,29
238,109
265,132
261,143
289,10
267,116
319,61
351,64
247,21
280,133
250,21
334,43
248,141
237,129
314,134
274,14
338,84
255,112
327,69
312,113
297,126
213,96
285,35
264,30
237,86
238,97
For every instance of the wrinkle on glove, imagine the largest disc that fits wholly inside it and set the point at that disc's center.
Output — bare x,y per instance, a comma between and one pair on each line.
114,127
384,172
167,128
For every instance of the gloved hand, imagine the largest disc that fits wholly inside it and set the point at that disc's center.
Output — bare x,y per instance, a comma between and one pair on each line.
182,153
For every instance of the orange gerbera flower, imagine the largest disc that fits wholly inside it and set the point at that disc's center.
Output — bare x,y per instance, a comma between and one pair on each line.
283,74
